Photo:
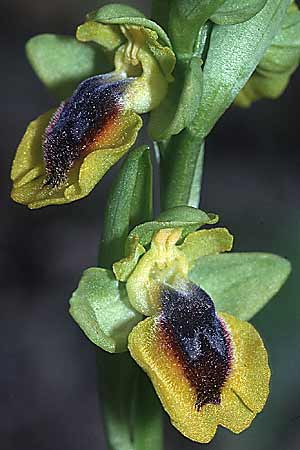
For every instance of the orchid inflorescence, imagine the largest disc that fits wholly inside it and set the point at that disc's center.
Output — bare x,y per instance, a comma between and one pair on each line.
167,290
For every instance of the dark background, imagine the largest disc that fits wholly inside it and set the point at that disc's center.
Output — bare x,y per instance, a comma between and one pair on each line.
48,377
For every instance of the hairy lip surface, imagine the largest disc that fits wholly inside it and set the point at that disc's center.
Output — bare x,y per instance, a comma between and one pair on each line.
193,334
80,122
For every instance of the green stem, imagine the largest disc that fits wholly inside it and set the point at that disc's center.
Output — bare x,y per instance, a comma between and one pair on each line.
181,170
132,413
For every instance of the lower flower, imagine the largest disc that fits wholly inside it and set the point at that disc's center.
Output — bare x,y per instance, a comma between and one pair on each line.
208,366
208,369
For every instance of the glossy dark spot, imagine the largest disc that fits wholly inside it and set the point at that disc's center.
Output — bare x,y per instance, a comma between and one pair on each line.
197,338
78,122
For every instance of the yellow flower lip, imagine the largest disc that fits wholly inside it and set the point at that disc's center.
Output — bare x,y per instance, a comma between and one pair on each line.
64,154
80,122
207,368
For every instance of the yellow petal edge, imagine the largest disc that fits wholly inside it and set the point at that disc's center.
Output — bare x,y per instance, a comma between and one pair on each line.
28,170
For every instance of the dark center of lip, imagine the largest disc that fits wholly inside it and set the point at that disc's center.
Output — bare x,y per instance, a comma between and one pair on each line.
77,122
198,340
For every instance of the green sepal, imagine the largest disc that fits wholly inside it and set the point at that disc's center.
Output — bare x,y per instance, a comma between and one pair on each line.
206,242
233,54
240,283
117,14
273,72
101,308
123,268
237,11
61,62
185,217
179,107
129,203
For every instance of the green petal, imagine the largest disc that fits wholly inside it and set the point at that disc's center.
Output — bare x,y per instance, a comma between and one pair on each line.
206,242
240,283
233,11
28,171
62,63
184,217
101,309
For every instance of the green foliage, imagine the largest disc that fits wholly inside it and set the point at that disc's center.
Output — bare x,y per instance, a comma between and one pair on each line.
131,409
185,21
240,283
182,165
281,59
237,11
61,62
101,308
129,203
178,109
233,54
185,217
219,44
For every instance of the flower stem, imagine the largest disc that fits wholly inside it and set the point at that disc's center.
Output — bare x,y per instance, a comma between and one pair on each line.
132,413
181,170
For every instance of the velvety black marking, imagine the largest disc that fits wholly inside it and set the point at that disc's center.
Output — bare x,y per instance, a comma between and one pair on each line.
77,122
198,339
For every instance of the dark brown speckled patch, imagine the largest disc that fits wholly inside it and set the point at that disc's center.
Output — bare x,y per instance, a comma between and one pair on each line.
198,340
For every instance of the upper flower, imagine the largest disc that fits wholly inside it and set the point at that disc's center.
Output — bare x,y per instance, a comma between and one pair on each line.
209,367
65,152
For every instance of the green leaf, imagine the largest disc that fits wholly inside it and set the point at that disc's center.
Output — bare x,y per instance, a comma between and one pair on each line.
181,170
273,72
206,242
237,11
61,62
241,283
117,14
146,416
186,19
132,412
179,107
129,203
185,217
116,381
101,308
233,54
